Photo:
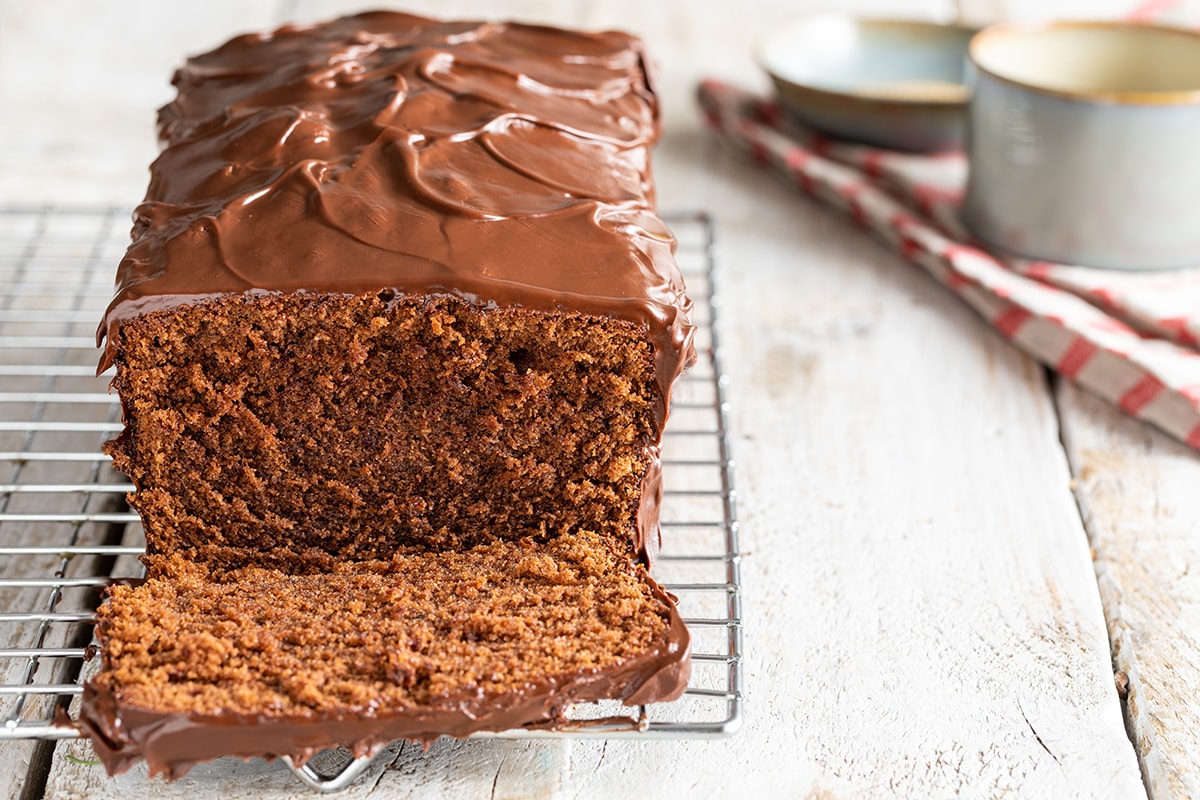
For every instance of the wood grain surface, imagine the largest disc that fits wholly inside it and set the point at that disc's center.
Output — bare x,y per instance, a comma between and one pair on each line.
1137,491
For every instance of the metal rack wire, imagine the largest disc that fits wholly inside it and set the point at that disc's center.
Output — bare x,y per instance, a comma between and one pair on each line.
65,531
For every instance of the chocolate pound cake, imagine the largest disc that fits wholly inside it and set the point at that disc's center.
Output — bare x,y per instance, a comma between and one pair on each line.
395,341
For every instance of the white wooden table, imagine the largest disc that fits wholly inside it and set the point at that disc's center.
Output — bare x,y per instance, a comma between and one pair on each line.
962,576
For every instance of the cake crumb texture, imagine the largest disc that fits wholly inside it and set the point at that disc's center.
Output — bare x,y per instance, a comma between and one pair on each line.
357,425
383,636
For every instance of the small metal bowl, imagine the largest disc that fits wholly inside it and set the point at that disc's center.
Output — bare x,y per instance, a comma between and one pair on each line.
887,82
1083,143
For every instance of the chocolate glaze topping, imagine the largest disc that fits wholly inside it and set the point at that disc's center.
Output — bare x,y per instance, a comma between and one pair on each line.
503,164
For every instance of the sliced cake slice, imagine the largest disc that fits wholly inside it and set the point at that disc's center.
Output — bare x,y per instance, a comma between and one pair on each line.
269,661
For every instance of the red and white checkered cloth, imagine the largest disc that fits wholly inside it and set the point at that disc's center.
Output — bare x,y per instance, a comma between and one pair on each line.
1132,338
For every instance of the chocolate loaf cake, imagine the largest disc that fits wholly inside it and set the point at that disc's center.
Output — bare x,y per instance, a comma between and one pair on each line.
395,341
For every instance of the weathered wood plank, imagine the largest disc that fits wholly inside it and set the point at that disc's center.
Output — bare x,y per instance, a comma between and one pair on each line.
81,85
1138,492
493,768
922,616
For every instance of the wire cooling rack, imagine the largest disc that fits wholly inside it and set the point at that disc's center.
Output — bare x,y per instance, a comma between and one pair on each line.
66,532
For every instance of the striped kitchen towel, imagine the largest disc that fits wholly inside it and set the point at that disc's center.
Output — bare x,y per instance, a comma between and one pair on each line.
1132,338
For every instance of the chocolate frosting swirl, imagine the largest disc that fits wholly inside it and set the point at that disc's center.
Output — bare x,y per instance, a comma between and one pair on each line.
503,164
